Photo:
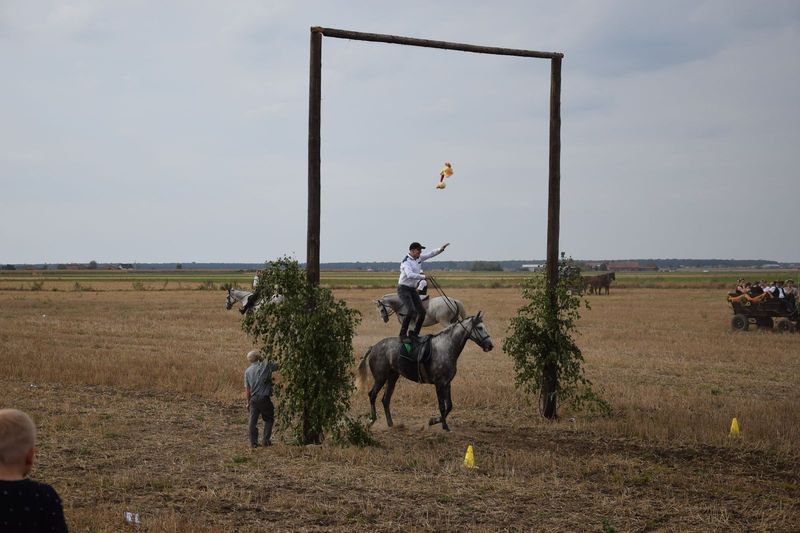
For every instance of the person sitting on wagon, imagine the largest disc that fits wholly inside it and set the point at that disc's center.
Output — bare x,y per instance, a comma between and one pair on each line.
770,288
756,289
739,288
791,295
740,293
778,291
754,293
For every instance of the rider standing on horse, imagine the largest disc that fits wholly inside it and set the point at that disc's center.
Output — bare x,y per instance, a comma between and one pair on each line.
410,275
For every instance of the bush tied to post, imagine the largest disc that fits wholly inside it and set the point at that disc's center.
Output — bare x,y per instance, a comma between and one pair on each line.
541,341
309,334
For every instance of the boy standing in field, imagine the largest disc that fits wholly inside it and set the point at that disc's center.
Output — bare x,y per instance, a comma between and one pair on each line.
258,389
25,505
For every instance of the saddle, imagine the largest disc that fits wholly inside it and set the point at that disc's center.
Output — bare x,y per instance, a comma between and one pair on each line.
414,357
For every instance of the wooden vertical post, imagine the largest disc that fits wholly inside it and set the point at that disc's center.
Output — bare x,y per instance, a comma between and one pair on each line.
314,113
550,375
312,242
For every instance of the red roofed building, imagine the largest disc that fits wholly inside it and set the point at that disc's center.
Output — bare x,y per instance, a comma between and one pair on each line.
631,266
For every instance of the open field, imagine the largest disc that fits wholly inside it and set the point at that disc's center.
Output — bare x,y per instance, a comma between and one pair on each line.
102,280
137,396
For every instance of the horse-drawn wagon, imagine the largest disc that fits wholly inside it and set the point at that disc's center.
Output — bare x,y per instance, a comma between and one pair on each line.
764,314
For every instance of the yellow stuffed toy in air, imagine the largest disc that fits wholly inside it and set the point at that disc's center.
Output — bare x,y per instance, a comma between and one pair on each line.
446,172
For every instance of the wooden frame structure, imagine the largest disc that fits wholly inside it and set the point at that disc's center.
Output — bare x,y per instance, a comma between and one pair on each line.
549,379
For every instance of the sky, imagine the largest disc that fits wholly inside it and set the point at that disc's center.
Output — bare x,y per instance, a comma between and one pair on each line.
135,131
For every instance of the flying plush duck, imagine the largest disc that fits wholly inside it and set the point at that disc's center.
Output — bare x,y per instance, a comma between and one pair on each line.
446,172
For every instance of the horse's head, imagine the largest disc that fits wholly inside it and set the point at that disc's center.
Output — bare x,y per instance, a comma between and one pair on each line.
613,276
382,310
229,301
479,334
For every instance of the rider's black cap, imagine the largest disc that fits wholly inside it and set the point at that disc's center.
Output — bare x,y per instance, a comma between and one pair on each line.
416,246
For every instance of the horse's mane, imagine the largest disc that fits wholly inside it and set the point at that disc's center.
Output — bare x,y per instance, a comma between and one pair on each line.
454,324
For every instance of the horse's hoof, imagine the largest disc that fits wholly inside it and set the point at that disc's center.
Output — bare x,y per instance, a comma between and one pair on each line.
445,427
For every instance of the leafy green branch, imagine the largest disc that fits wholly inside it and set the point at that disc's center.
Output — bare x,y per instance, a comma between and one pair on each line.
540,339
309,334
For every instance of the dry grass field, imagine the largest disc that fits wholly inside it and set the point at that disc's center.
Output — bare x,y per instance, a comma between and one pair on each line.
138,400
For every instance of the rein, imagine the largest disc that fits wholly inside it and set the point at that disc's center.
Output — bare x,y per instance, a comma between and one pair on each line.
450,304
454,309
469,331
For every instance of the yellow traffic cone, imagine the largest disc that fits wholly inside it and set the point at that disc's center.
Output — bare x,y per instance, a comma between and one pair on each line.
469,459
734,428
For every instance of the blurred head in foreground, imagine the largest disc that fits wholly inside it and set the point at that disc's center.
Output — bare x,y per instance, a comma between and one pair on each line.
17,441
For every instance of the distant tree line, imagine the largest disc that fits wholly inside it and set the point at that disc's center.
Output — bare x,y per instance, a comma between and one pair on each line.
486,266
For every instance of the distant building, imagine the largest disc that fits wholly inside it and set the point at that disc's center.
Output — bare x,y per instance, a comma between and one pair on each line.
631,266
125,266
533,268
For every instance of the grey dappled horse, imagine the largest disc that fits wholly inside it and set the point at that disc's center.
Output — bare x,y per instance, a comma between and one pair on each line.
236,295
444,311
446,346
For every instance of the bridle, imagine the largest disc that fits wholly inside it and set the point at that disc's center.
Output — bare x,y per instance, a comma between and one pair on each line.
387,311
473,329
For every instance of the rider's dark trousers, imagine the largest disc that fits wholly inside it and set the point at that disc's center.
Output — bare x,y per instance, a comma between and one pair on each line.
413,305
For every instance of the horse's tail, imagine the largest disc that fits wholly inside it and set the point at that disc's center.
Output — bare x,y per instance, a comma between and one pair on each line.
361,378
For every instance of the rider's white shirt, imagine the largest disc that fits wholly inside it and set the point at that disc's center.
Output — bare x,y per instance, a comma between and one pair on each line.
411,269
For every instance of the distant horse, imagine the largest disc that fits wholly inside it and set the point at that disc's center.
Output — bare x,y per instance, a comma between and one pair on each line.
247,299
440,370
444,311
595,284
588,284
604,282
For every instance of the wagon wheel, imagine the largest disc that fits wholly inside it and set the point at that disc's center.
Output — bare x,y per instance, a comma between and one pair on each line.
739,323
765,322
784,325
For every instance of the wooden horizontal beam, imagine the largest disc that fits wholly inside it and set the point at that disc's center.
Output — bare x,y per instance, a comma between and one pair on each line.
426,43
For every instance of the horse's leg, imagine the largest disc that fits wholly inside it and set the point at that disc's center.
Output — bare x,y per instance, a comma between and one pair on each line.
441,395
387,396
448,406
448,401
373,394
